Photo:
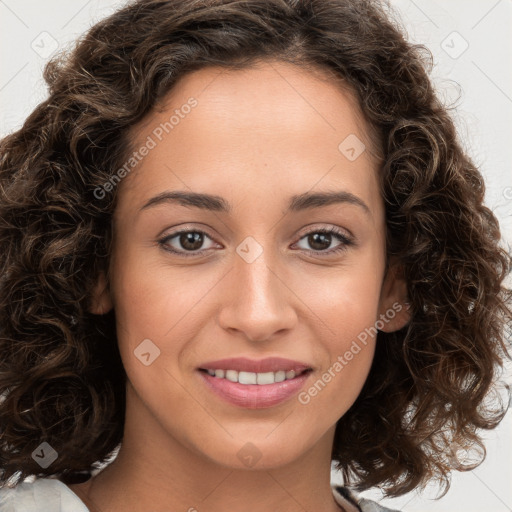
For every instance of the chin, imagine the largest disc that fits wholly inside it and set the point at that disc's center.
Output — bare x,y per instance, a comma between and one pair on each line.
256,453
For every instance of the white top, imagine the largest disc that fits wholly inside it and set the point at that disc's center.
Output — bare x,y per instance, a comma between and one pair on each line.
52,495
42,495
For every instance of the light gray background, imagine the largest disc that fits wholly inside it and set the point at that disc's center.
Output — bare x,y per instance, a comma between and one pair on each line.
472,48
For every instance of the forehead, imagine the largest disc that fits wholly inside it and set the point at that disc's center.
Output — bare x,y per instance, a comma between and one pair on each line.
273,125
268,95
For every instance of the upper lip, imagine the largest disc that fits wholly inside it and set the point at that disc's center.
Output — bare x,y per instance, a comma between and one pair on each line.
243,364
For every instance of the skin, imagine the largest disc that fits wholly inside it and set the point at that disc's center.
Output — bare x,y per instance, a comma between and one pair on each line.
256,137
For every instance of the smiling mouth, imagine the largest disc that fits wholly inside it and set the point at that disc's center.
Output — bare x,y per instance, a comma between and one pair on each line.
253,378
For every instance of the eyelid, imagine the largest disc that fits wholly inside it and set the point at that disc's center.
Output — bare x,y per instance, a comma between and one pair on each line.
313,228
310,228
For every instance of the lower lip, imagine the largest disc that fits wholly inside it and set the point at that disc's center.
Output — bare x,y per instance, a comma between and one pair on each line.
255,396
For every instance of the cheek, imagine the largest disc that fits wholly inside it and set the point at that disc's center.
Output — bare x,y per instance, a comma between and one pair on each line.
154,300
161,304
348,347
348,309
347,299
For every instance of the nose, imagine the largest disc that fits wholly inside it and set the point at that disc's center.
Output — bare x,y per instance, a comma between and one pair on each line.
258,302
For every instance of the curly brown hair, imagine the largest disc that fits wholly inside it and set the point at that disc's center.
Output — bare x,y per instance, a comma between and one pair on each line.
61,375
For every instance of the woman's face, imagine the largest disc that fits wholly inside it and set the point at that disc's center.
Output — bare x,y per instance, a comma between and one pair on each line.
253,277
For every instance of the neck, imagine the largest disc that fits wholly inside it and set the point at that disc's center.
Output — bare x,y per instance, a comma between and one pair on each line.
155,471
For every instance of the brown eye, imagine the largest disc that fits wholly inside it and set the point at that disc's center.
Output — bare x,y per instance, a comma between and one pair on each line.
191,241
321,239
183,242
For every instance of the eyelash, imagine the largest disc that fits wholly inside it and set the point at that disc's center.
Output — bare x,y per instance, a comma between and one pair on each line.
346,242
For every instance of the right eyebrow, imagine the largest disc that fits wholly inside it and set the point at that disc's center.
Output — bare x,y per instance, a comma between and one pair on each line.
191,199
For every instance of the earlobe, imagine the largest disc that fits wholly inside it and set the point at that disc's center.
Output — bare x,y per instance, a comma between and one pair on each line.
101,301
394,307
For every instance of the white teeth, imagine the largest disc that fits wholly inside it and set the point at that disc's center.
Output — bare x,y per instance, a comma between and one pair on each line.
246,378
252,377
280,376
265,378
232,375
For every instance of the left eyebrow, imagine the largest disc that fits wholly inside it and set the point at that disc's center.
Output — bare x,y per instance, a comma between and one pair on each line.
297,203
318,199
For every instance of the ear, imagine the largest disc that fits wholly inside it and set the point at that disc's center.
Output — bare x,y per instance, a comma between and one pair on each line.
101,300
394,307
